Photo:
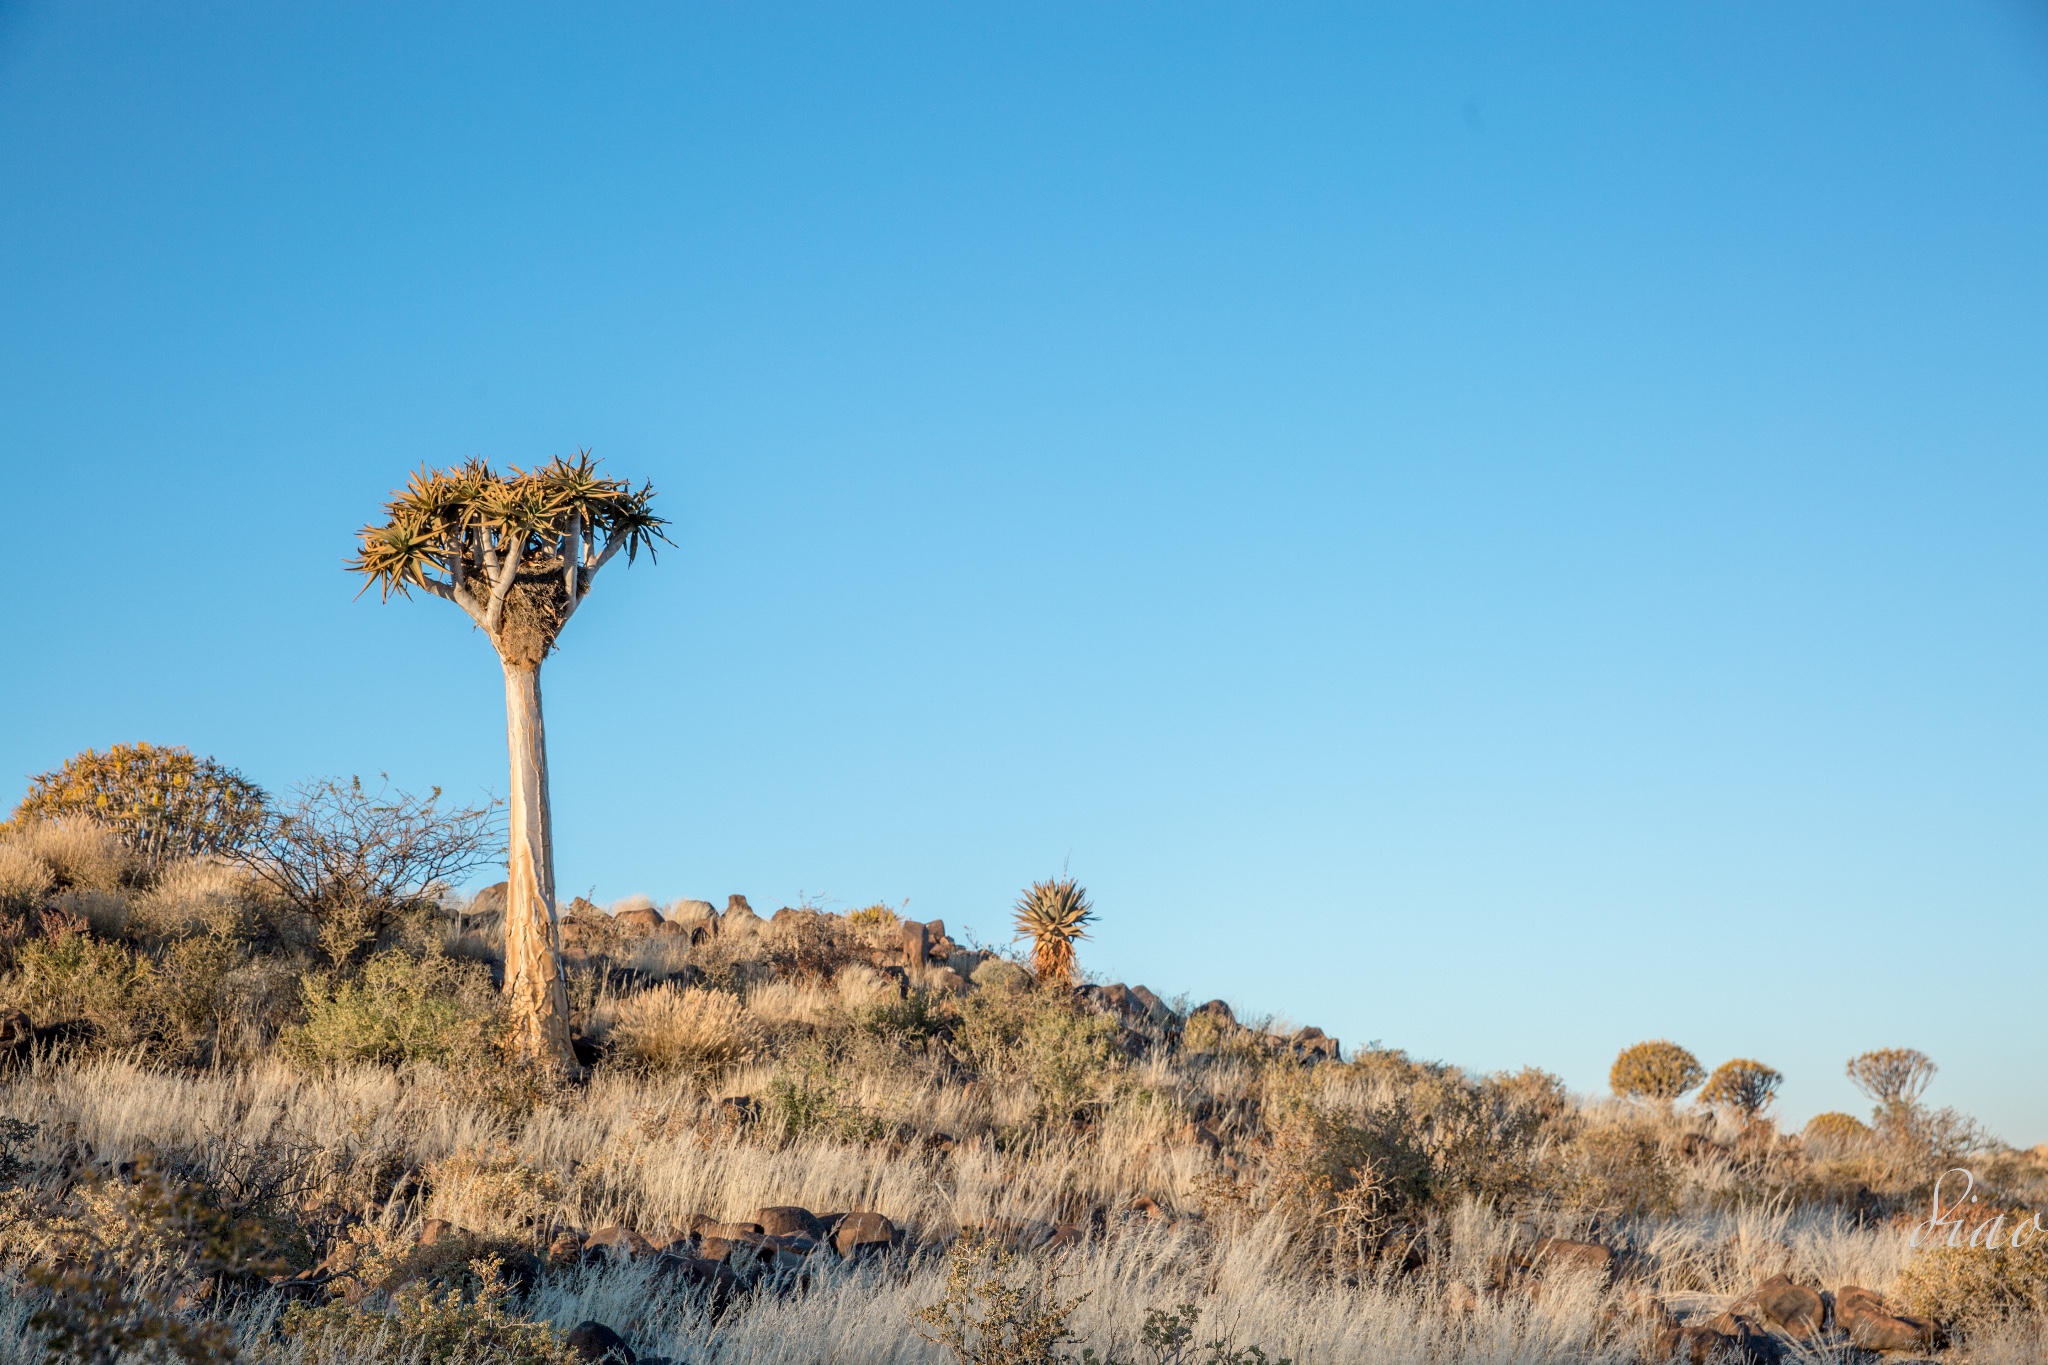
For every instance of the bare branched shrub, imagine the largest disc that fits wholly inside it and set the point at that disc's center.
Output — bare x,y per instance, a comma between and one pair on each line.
996,1309
109,1279
356,861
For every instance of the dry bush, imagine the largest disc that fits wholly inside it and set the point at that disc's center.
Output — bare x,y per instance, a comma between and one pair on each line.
196,896
996,1309
414,1323
491,1189
355,862
1973,1287
1835,1133
81,854
25,879
698,1035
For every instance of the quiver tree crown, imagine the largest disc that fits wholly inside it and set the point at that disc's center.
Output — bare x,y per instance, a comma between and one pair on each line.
517,551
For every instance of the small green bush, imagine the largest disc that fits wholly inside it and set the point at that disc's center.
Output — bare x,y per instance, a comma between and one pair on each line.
1657,1070
417,1324
1066,1053
401,1009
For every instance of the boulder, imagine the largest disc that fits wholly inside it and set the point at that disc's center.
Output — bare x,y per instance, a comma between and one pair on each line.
566,1247
912,943
487,902
1312,1044
739,918
619,1240
998,974
1743,1341
1785,1307
696,1272
857,1232
787,1220
1871,1325
592,1341
17,1031
643,919
1155,1009
684,911
1557,1253
437,1230
1215,1009
945,981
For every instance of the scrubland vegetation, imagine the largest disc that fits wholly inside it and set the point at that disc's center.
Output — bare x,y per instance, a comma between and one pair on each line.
260,1102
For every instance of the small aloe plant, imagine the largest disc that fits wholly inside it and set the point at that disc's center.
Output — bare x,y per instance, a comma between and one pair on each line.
1053,914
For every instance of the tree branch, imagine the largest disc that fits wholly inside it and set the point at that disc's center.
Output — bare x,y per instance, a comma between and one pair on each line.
589,575
457,594
503,586
572,551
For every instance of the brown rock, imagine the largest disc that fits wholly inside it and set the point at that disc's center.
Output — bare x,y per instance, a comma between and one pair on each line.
1694,1345
1201,1135
787,1220
594,1342
1870,1323
1147,1207
912,944
863,1231
945,981
644,920
438,1229
619,1240
1557,1253
1786,1307
1314,1045
566,1246
711,1277
17,1032
1215,1009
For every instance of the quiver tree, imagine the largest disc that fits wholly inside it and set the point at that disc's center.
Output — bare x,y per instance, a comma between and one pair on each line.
1052,915
518,552
163,800
1744,1087
1657,1070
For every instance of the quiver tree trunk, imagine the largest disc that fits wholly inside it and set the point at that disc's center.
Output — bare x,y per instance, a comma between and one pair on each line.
535,993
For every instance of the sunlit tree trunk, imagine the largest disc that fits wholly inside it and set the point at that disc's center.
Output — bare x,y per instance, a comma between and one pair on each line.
535,990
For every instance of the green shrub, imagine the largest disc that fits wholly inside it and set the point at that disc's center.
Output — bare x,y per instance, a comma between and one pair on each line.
1658,1070
805,1100
417,1324
76,978
400,1009
1066,1053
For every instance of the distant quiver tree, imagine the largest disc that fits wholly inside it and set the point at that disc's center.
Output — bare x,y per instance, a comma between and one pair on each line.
163,800
518,552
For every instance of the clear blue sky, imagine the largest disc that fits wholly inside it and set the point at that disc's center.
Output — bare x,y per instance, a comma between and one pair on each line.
1502,530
